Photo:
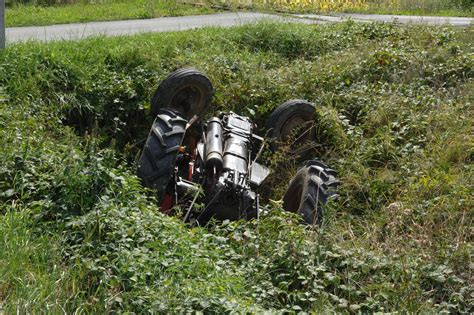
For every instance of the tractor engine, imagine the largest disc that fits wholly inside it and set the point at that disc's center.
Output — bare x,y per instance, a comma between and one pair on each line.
226,168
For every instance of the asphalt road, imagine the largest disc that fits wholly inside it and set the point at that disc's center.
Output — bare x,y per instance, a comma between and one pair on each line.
167,24
164,24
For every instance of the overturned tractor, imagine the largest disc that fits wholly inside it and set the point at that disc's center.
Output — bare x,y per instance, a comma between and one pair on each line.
212,168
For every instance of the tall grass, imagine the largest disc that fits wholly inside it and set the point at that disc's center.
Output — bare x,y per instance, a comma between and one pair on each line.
78,234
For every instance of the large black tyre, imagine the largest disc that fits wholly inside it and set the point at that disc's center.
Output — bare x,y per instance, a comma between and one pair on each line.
309,190
186,90
158,158
287,118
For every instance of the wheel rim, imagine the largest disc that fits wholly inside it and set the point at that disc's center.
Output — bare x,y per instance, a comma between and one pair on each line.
299,129
188,100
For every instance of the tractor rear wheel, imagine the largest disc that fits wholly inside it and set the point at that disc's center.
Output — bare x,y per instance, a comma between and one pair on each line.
186,90
293,121
158,158
309,190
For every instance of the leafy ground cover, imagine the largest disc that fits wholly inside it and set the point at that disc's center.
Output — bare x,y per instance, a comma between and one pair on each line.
27,14
395,118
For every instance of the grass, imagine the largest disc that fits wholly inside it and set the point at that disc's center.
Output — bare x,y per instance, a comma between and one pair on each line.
79,234
27,15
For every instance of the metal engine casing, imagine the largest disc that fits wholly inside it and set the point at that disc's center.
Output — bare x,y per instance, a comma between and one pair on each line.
229,170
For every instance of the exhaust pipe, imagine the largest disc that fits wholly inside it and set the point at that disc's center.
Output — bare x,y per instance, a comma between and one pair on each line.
214,144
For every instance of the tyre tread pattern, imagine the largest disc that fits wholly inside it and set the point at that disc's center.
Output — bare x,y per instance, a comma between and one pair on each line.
158,158
321,185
